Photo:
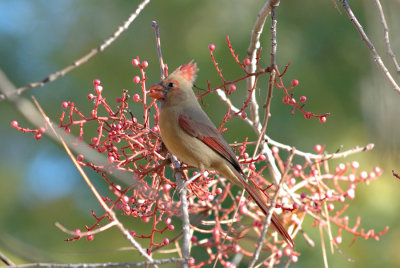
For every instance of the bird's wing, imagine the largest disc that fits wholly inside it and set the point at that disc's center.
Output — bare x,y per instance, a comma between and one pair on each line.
208,134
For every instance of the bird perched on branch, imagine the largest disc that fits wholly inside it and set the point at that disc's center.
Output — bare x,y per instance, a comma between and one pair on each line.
189,134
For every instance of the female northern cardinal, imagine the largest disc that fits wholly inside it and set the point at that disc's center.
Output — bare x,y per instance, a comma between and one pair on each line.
189,134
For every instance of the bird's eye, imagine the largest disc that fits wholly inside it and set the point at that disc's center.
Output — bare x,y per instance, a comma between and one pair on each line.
171,84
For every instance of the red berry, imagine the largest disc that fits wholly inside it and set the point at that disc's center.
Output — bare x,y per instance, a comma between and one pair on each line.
294,258
355,164
14,124
96,82
295,82
318,148
322,119
98,89
218,191
211,47
286,100
193,239
42,130
247,61
136,80
135,62
77,232
171,227
243,115
166,241
303,98
243,210
155,128
38,136
136,98
145,219
351,194
80,157
89,237
167,220
338,240
166,187
90,96
232,88
287,251
145,64
65,105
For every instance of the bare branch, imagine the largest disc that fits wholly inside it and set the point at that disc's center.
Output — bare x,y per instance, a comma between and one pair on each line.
154,24
252,53
98,265
5,260
389,50
185,213
81,60
271,81
370,46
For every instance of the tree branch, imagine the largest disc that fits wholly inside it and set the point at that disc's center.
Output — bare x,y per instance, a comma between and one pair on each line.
370,46
122,28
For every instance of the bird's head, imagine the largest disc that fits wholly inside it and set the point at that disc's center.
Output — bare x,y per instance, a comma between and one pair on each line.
177,87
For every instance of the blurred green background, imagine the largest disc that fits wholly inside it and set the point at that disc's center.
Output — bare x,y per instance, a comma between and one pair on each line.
40,186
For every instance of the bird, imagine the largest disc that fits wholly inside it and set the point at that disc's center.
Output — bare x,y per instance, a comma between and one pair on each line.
189,134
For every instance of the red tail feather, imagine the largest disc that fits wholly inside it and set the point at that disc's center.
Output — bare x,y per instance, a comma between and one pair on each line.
260,202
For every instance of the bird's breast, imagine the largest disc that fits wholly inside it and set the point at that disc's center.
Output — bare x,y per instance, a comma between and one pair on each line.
184,146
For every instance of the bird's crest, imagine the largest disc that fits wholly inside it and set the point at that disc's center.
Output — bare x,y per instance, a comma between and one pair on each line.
187,71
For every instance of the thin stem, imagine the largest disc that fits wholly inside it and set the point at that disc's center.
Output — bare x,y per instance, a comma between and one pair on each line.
370,46
389,50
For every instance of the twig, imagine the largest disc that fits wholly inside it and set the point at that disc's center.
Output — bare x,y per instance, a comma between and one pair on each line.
154,24
252,54
271,81
98,265
323,247
110,212
267,221
98,230
5,260
370,46
185,213
389,50
344,154
81,60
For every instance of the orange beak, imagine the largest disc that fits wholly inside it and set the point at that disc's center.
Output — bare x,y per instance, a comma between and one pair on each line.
157,92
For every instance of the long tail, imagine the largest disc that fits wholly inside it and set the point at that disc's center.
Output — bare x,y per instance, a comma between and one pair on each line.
260,202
